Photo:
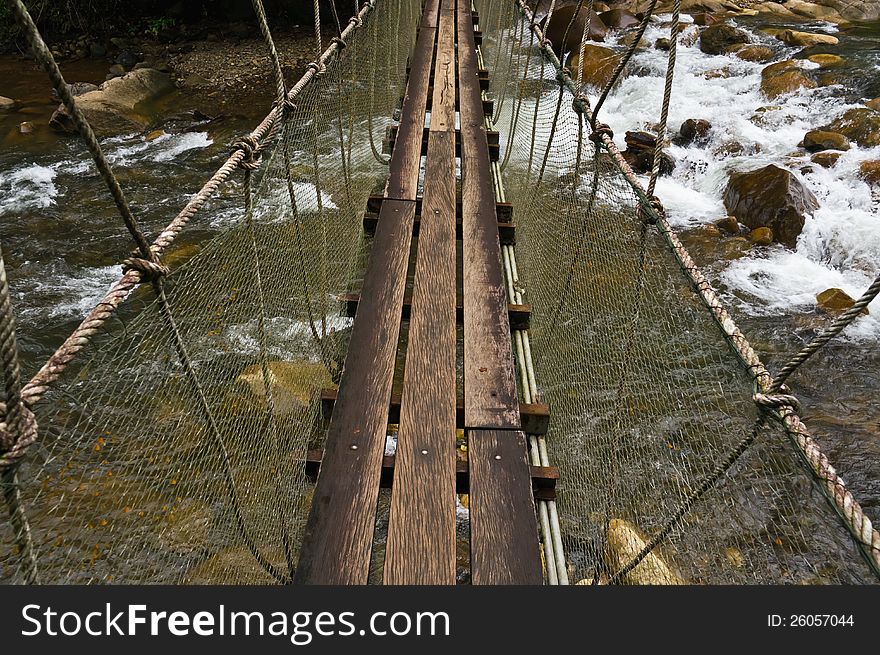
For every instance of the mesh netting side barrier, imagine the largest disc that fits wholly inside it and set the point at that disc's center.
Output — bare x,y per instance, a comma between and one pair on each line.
647,396
152,470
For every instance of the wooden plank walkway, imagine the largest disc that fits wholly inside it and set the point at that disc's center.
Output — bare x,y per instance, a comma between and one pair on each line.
426,475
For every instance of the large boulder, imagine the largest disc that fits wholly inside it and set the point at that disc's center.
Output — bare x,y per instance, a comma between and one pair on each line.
559,23
119,105
597,67
804,39
785,77
715,39
861,10
770,197
861,125
619,19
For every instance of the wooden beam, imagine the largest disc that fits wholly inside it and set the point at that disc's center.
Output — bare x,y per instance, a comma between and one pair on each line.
491,135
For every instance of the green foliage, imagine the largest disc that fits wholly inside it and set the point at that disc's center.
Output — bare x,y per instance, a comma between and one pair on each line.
156,25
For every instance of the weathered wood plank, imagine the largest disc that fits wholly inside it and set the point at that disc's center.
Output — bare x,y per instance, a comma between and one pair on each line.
338,536
504,210
430,13
504,530
443,93
506,231
421,532
403,179
535,417
489,382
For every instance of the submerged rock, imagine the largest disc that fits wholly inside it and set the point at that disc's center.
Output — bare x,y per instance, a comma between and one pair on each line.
826,158
784,77
716,38
826,60
559,22
861,125
292,383
873,104
598,65
770,197
7,105
728,224
870,171
618,19
761,236
695,130
816,140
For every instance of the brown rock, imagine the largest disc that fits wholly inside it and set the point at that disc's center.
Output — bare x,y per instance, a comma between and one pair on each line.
826,158
835,301
861,125
770,197
826,60
759,53
870,171
873,104
816,140
598,66
715,38
761,236
662,44
559,24
695,130
155,134
704,19
803,39
26,128
784,77
618,19
734,248
7,105
728,224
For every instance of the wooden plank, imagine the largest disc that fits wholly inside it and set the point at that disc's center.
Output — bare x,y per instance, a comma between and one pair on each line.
535,417
544,478
339,532
443,94
506,231
520,315
430,13
492,137
403,180
489,382
421,531
504,530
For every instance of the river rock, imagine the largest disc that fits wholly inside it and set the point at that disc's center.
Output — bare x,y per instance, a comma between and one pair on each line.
598,66
639,153
26,128
728,224
761,236
784,77
623,543
7,105
826,158
770,197
704,20
757,53
695,130
835,301
803,39
715,38
559,23
662,44
734,248
826,60
618,19
870,171
816,140
861,125
119,105
873,104
116,70
292,383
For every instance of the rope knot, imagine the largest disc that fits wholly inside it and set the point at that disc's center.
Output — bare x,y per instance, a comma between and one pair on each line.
338,40
563,75
315,66
783,401
657,210
600,130
251,150
16,439
357,21
149,270
581,104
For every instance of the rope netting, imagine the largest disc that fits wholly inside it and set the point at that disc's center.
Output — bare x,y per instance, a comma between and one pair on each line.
174,450
648,398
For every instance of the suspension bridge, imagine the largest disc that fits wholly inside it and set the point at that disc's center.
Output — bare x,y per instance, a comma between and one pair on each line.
318,393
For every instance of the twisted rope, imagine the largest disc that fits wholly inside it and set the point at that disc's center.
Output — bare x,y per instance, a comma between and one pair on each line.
662,139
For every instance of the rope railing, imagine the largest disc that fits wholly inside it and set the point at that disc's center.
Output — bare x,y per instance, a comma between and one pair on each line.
779,407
